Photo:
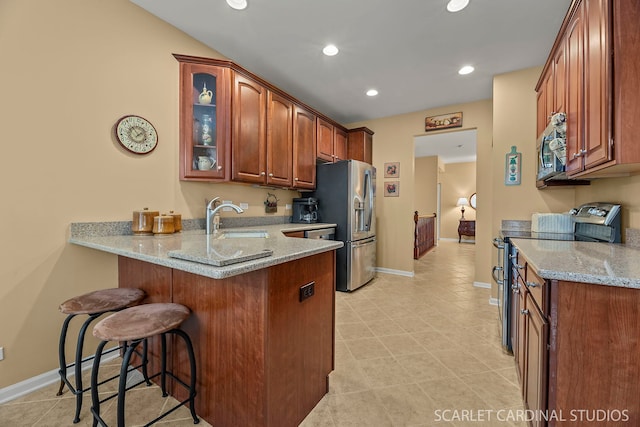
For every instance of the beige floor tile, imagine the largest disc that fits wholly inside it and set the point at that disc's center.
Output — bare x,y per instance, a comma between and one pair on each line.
357,409
347,377
460,361
384,327
383,372
350,331
494,388
406,405
401,344
423,366
367,348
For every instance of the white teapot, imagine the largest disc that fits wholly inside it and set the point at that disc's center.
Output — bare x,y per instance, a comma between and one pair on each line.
205,163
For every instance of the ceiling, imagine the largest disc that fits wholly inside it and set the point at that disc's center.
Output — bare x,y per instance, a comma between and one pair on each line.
451,147
409,50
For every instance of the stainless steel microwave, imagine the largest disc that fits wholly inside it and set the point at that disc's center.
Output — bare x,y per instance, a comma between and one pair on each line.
551,146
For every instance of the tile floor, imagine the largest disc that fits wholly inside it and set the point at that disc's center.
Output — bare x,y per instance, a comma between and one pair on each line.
418,351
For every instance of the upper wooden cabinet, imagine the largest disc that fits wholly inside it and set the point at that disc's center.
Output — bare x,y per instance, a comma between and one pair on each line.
332,141
235,126
324,131
596,52
360,145
204,129
248,135
304,148
339,144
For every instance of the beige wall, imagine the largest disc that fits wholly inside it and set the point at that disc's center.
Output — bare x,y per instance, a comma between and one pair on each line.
425,186
393,142
458,180
70,69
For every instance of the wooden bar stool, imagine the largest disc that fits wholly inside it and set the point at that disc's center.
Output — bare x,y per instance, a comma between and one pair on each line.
133,326
94,304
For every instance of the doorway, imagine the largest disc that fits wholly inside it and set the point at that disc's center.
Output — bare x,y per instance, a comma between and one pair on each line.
444,172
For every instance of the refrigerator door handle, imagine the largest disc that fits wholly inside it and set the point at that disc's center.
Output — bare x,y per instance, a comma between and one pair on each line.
368,194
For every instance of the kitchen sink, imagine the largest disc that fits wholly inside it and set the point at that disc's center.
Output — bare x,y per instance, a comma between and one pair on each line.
239,234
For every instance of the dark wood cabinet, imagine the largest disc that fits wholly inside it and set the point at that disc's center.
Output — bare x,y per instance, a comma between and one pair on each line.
572,351
279,140
204,126
248,136
324,131
235,126
466,227
360,145
332,141
596,52
263,354
339,144
304,148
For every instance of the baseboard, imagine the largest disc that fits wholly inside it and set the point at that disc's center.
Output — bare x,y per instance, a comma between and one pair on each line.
35,383
483,285
395,272
449,239
493,301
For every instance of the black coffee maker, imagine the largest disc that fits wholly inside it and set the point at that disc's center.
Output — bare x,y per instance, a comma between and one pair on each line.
305,210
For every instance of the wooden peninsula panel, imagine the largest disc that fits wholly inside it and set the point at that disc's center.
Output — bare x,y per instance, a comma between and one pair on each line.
263,356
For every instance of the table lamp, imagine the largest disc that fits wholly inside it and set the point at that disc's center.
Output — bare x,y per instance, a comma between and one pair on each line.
462,202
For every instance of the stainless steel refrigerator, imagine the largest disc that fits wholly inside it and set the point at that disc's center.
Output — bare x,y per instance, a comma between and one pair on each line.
346,196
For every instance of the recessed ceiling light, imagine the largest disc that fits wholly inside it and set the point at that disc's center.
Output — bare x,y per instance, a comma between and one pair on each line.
237,4
372,92
467,69
457,5
330,50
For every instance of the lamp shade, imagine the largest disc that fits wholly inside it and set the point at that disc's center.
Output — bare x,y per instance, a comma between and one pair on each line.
462,201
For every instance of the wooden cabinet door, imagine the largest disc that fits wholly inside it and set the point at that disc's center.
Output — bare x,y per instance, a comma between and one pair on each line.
545,100
204,126
519,349
597,104
324,138
339,144
536,360
279,140
304,148
574,89
360,145
559,79
248,139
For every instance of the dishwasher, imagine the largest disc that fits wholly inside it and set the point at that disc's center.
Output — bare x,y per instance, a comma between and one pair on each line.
321,233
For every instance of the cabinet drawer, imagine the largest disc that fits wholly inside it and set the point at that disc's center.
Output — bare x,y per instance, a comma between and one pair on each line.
537,288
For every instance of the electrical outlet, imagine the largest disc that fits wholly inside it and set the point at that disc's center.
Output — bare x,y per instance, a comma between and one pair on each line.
227,209
244,205
1,353
287,207
307,291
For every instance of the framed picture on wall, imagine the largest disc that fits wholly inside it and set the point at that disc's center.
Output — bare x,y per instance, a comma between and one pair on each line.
392,170
391,188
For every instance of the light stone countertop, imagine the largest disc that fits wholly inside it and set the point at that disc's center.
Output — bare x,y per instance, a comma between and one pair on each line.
611,264
154,249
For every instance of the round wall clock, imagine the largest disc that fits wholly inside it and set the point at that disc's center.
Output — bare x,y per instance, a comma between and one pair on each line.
136,134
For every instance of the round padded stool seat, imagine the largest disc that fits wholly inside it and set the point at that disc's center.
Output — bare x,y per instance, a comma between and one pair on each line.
141,321
103,300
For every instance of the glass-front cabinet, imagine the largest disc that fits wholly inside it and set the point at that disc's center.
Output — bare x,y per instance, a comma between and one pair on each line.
204,128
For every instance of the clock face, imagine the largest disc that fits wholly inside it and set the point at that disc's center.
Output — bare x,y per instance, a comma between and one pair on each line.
136,134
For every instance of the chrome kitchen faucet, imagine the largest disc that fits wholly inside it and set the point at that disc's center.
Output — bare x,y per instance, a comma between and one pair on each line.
213,207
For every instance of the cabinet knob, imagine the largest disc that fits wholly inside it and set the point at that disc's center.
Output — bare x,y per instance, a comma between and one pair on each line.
532,284
219,168
296,179
271,175
523,311
262,174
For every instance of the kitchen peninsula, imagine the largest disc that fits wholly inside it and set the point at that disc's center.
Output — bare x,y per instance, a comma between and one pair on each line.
262,329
